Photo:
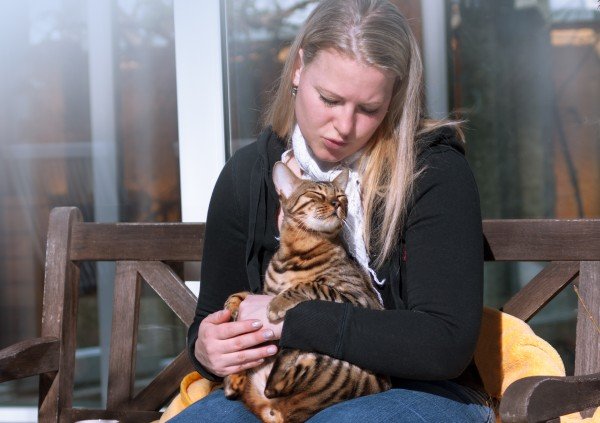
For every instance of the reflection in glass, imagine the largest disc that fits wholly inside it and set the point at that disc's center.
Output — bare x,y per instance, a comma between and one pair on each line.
258,35
57,148
525,78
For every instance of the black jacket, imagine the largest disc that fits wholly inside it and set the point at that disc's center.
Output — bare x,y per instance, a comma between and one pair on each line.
434,280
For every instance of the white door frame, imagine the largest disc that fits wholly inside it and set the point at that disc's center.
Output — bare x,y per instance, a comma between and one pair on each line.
200,103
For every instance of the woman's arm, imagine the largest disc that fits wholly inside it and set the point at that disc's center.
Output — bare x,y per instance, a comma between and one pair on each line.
435,336
218,351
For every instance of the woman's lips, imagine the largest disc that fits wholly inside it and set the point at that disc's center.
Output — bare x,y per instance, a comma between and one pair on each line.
334,143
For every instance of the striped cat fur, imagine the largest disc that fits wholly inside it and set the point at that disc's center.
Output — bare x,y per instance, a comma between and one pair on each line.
310,264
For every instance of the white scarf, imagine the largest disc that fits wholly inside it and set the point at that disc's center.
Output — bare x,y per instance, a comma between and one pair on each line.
316,170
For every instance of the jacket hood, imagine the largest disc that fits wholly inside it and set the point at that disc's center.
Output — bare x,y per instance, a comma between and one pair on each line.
445,135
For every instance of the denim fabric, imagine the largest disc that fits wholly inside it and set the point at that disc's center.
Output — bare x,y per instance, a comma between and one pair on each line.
414,401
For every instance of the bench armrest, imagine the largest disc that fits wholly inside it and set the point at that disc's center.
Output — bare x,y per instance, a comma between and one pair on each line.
543,398
29,358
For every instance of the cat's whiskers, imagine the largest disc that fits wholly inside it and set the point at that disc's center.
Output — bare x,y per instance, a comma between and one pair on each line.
346,224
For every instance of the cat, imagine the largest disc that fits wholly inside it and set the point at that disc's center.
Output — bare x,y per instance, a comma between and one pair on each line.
310,263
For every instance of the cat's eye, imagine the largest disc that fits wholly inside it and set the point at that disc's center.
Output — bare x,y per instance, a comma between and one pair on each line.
315,195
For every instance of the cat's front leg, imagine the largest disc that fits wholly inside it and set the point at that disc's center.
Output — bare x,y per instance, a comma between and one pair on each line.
233,303
290,298
279,306
234,385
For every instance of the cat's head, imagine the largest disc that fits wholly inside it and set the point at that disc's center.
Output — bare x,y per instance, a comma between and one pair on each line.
316,206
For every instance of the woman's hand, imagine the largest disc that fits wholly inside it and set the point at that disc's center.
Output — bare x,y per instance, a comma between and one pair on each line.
255,307
225,347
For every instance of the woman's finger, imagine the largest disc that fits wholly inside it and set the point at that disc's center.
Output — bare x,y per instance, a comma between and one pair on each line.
245,341
239,358
242,367
235,329
218,317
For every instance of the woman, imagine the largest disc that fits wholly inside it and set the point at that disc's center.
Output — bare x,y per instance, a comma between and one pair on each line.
351,94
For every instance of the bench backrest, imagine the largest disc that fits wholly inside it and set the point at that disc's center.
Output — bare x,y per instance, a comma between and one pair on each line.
140,250
573,249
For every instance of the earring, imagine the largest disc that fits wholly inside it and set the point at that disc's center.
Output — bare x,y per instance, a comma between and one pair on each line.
294,91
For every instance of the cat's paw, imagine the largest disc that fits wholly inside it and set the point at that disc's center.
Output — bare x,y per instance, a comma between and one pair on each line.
233,385
233,303
230,393
278,307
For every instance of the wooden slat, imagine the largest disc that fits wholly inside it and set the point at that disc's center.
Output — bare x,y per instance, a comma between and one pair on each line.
29,358
137,241
164,385
123,339
123,416
520,240
542,240
587,347
170,288
541,289
59,313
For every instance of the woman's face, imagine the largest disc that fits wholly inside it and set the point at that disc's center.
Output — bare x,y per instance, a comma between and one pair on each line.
340,103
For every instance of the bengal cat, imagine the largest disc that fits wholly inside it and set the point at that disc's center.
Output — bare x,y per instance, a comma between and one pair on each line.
310,264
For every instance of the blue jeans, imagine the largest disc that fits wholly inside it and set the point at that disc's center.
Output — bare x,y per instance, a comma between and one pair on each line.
413,402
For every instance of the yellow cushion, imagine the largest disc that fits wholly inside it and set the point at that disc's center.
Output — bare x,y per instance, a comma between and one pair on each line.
508,350
192,388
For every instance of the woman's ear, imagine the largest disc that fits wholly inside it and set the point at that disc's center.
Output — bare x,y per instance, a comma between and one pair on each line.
299,68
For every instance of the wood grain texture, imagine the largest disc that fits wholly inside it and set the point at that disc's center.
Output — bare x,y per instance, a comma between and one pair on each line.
123,339
542,398
542,240
137,241
587,347
29,358
540,290
170,288
59,313
156,394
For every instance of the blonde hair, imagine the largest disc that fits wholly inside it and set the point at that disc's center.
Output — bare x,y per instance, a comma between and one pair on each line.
373,32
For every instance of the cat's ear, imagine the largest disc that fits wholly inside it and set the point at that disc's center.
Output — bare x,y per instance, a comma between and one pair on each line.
284,179
341,180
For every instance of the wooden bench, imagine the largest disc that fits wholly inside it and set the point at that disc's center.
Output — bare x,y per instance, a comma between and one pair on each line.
140,251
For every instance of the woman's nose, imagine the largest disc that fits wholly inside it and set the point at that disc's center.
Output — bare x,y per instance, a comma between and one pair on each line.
344,121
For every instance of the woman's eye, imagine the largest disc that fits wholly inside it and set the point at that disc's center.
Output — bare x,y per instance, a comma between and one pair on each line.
328,101
370,112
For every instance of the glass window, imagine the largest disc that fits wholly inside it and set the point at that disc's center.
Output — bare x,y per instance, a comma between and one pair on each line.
525,78
257,38
89,119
